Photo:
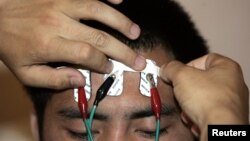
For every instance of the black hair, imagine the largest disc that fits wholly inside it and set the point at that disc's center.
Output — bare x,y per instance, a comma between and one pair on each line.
162,22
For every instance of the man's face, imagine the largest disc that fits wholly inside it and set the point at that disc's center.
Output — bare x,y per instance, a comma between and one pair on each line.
127,117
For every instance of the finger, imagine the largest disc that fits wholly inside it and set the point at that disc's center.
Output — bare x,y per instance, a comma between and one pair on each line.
185,119
199,63
190,124
171,71
115,1
216,60
98,11
107,44
47,77
63,50
195,130
212,60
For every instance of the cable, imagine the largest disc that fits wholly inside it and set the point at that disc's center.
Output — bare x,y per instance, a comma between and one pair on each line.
90,136
157,130
155,103
104,88
100,94
83,107
83,103
92,113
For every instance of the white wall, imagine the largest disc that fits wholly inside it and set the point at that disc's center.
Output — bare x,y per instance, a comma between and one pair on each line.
226,26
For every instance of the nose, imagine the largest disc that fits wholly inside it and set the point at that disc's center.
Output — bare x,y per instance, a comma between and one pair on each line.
114,135
116,131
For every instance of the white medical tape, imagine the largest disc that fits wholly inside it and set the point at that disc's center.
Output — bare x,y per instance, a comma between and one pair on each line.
117,86
87,87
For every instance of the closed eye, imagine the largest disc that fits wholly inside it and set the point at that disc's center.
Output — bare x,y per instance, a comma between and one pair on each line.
80,135
151,134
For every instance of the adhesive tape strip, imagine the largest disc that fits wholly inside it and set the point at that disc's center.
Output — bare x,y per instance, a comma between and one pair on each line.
118,69
87,87
117,87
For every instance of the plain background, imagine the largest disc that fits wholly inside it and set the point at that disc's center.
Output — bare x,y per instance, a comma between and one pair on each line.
224,24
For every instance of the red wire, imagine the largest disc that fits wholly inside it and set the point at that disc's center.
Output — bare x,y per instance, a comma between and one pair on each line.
155,102
82,102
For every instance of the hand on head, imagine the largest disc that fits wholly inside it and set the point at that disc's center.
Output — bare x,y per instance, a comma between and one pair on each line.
35,33
210,90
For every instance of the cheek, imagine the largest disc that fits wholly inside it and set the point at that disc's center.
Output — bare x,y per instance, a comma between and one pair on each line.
59,131
52,133
52,130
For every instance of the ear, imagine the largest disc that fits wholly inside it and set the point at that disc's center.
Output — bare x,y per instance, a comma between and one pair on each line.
34,125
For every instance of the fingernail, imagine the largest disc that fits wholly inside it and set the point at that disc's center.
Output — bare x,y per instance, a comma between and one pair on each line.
161,71
183,118
195,130
109,67
75,82
117,1
140,63
163,75
135,30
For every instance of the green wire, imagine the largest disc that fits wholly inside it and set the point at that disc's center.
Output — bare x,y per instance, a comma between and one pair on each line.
92,113
89,122
157,132
88,125
90,137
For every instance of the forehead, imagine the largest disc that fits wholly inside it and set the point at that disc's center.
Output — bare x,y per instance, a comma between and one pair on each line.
130,96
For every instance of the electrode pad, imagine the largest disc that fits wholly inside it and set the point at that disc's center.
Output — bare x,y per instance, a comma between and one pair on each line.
117,87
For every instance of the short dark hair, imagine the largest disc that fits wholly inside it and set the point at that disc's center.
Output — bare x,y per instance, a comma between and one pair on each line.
162,22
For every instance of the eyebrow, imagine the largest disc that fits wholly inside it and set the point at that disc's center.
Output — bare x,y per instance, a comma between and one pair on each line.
166,110
73,113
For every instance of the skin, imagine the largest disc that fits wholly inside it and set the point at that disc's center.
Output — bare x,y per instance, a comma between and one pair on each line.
36,32
202,106
117,119
210,90
33,33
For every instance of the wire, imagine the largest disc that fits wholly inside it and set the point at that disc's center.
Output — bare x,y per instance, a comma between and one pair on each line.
83,107
101,94
103,89
157,130
92,113
155,103
83,103
87,126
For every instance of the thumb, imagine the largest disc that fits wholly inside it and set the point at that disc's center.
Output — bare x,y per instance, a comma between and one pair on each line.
115,1
171,71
